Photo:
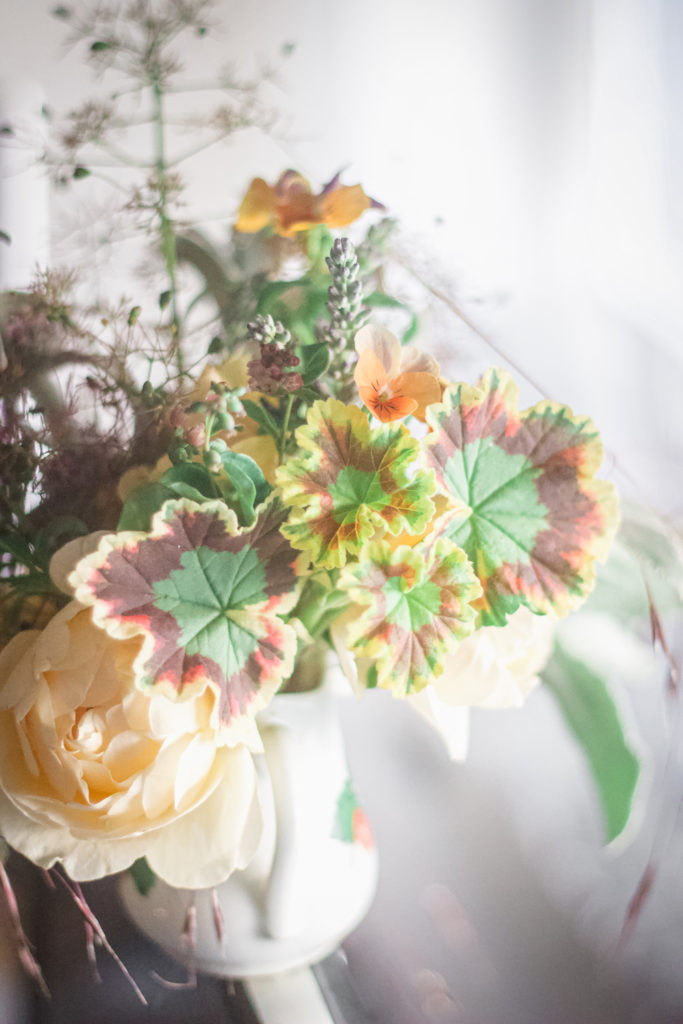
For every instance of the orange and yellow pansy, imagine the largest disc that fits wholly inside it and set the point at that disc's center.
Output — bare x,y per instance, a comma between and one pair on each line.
392,381
290,205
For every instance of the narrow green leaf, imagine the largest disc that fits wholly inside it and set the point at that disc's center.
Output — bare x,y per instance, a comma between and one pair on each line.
590,712
34,583
18,548
143,876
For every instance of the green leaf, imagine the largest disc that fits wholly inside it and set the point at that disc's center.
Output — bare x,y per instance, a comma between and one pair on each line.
164,299
532,517
307,395
34,583
590,712
99,47
319,242
246,486
260,414
251,469
133,317
18,548
141,505
348,482
417,607
313,361
189,476
274,289
56,533
80,172
239,494
4,237
142,875
206,597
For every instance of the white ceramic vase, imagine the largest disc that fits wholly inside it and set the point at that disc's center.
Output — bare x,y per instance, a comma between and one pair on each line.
314,874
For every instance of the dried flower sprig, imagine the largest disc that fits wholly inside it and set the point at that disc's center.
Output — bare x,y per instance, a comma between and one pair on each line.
141,42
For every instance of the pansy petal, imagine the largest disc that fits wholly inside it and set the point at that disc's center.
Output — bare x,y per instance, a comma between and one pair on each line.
385,346
414,360
423,388
257,208
370,374
396,407
291,183
298,212
343,205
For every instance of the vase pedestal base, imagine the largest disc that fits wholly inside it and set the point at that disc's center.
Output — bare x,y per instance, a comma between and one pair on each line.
240,947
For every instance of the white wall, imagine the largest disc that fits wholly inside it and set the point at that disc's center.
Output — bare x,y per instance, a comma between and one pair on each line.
532,150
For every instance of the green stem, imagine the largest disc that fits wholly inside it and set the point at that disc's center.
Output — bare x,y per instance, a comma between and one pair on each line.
285,426
168,250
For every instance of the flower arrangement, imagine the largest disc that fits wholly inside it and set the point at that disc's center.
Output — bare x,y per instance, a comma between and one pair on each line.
184,535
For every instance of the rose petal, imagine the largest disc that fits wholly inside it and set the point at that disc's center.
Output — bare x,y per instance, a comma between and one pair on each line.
201,848
64,560
452,723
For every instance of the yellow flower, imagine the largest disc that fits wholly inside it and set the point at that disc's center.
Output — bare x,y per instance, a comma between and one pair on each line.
95,773
394,382
262,449
290,205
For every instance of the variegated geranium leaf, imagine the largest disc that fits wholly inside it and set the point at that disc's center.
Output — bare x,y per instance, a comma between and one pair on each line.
534,518
351,482
205,597
418,608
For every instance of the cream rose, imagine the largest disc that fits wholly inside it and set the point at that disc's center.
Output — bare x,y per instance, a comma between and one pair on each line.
498,666
495,667
95,773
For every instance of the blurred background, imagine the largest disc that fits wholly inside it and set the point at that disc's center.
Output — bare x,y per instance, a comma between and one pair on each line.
532,151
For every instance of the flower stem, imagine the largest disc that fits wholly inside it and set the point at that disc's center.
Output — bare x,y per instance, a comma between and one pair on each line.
285,426
168,247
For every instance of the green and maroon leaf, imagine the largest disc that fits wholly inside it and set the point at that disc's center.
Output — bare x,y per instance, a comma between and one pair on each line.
534,519
205,596
351,482
418,608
